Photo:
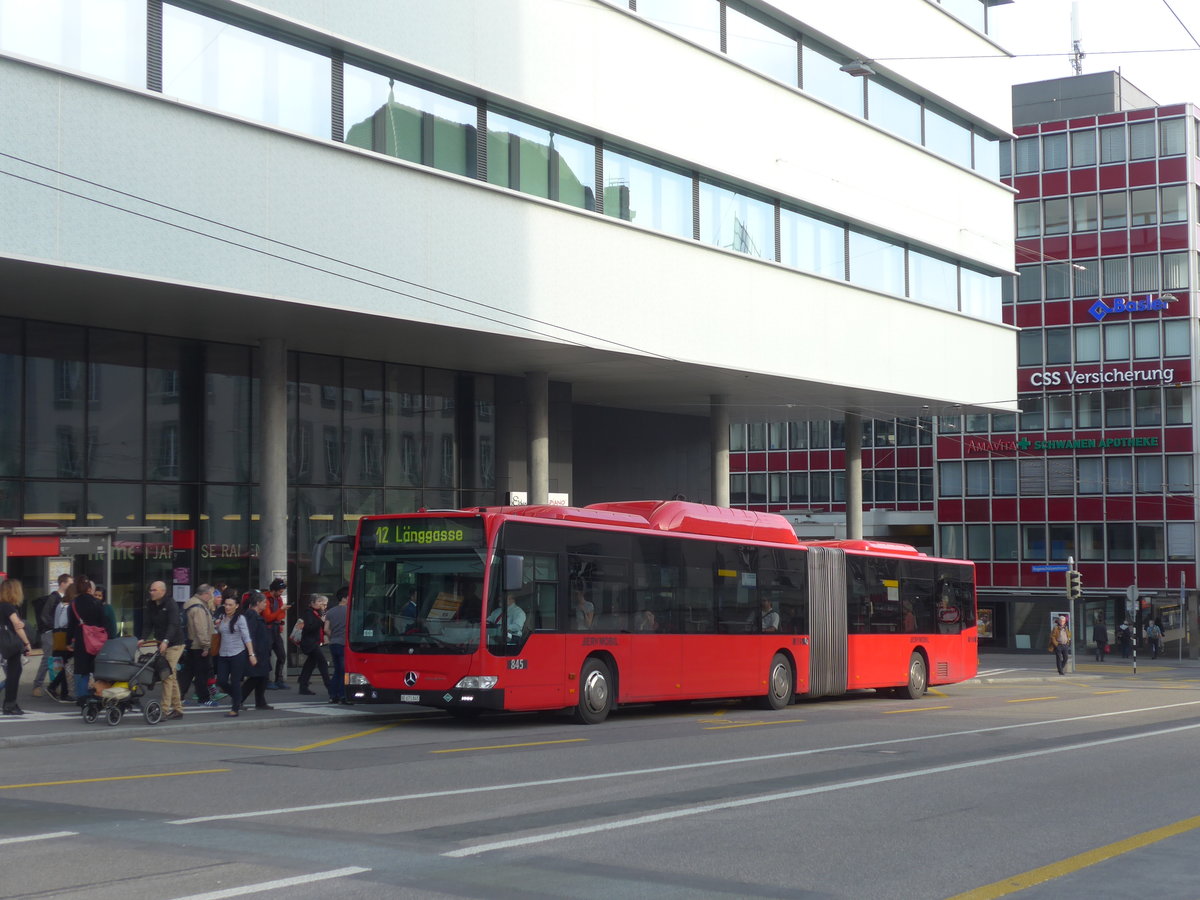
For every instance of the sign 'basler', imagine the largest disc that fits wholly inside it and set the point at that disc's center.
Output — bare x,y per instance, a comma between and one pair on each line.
1100,309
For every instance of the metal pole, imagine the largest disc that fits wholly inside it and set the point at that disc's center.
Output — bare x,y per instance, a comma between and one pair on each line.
1071,607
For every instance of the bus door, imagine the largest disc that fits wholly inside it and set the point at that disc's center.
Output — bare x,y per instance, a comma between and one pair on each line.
523,629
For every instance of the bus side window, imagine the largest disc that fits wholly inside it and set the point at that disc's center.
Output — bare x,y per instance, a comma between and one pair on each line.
544,615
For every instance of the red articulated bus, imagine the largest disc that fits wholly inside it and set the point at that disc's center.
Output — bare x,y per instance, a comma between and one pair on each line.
548,607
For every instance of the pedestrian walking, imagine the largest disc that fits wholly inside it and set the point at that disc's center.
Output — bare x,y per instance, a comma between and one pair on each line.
198,623
1060,643
11,598
1100,636
275,615
161,622
235,653
1125,638
84,609
312,640
1154,635
43,608
335,633
259,671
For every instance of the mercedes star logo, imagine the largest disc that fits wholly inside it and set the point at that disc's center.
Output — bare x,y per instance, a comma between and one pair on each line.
410,678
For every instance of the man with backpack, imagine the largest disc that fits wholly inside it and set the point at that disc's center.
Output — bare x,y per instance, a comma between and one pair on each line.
43,612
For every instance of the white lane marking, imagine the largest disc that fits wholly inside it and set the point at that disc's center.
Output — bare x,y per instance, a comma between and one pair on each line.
275,885
371,801
38,837
984,673
791,795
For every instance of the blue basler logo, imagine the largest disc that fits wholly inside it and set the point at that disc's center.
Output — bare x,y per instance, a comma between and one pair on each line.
1100,309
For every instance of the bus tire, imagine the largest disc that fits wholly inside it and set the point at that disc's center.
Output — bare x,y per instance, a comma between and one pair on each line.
918,679
781,684
595,693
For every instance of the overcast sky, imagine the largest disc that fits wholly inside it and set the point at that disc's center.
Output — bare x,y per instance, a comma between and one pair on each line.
1027,27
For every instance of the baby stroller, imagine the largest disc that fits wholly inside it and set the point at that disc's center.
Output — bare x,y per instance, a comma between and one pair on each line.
130,675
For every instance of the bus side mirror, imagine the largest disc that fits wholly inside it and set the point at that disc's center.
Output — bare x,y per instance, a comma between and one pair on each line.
514,571
318,553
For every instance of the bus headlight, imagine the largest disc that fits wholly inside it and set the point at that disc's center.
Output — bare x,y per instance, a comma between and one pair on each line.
355,679
477,683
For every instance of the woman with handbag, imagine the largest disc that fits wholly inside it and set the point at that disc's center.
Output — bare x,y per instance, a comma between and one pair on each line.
86,632
14,646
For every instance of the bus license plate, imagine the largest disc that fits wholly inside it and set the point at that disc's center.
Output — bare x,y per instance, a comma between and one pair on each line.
410,698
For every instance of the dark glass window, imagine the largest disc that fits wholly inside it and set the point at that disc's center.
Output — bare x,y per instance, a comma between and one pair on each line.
55,401
534,159
11,377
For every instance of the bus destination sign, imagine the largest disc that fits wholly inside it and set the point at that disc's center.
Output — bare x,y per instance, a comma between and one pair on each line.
407,533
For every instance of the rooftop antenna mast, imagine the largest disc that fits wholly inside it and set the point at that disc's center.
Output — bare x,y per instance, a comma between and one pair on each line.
1077,53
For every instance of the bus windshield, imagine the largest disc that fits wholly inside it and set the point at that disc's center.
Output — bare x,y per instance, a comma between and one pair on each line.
416,602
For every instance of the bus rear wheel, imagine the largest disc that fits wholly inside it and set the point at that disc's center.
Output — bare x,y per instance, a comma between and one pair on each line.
781,684
918,679
595,693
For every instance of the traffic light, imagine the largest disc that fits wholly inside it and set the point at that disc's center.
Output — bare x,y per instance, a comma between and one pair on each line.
1074,585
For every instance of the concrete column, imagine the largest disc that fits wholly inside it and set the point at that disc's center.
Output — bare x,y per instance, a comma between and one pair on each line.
718,418
537,403
273,426
852,425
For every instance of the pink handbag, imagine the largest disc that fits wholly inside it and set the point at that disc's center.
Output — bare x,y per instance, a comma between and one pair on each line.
94,636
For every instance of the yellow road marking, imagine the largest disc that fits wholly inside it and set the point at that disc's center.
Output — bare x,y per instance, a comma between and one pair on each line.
1030,699
892,712
752,724
1079,861
13,787
934,692
511,746
347,737
1115,691
299,749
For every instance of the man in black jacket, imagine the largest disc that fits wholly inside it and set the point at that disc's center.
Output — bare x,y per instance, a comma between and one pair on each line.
43,609
161,623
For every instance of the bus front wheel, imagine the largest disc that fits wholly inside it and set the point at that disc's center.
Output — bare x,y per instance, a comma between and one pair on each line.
918,679
595,693
781,684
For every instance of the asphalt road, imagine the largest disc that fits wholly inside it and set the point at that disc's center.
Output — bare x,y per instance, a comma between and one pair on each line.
1029,787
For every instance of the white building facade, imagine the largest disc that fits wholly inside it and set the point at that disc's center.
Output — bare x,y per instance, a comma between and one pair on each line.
374,256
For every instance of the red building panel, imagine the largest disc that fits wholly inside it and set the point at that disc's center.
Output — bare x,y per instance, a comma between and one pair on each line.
1056,247
777,461
976,510
1173,169
1060,509
1118,509
837,459
1054,184
1089,509
1083,181
925,456
798,461
1049,127
818,460
737,462
1149,509
1112,177
1173,237
1084,245
1143,240
1150,576
1177,440
1167,111
1117,574
983,574
1084,122
949,511
1032,509
1028,186
756,462
1181,507
1143,173
1056,312
1006,574
1110,118
1004,509
1114,243
1029,315
1136,114
906,457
